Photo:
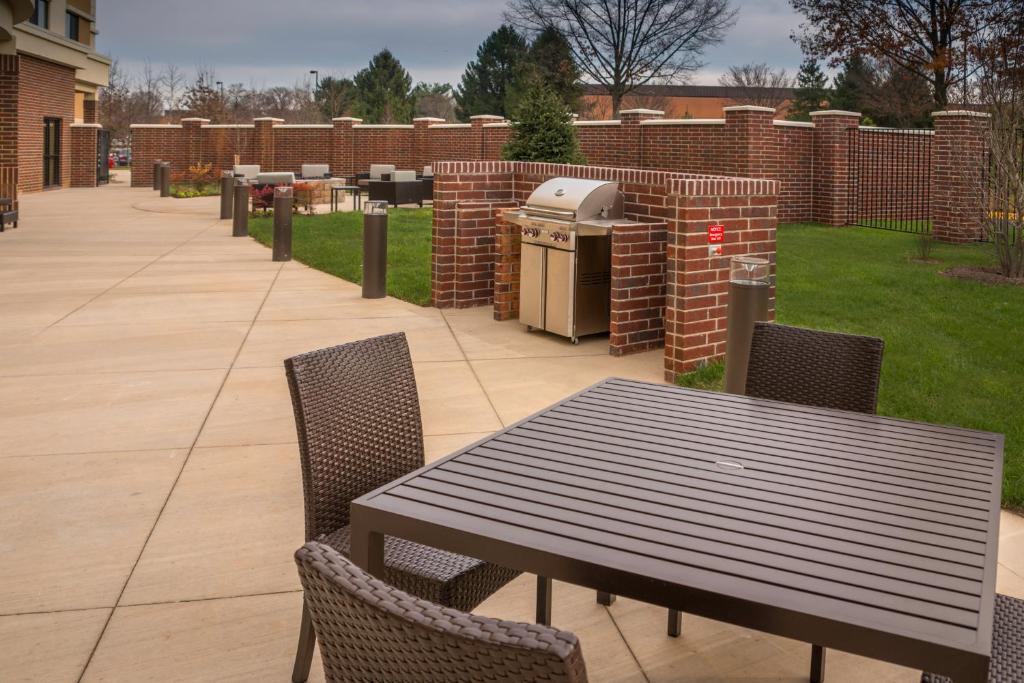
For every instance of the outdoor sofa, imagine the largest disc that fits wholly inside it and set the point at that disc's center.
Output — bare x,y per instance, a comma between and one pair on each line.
399,187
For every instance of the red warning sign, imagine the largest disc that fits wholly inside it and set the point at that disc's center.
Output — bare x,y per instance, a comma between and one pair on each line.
716,234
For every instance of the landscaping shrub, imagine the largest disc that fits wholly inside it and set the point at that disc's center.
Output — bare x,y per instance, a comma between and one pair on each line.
543,129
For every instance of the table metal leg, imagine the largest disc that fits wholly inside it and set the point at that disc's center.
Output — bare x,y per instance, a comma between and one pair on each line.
675,623
368,551
543,601
604,598
817,664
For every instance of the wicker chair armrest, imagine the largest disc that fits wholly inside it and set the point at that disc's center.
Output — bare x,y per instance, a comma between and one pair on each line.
531,639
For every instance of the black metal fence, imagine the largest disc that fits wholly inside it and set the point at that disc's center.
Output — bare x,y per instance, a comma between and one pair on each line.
890,179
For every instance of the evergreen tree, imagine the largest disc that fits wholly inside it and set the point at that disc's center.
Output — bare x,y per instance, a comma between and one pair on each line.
853,85
542,129
487,80
811,92
383,91
335,97
549,59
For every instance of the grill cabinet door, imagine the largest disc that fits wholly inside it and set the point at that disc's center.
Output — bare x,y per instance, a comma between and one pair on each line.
560,292
532,277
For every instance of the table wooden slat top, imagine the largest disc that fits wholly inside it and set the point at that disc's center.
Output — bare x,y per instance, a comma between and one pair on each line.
857,527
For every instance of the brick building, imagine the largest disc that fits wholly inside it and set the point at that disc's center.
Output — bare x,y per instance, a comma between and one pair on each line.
50,73
686,101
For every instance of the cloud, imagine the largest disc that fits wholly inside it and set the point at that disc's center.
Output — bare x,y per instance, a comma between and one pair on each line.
270,42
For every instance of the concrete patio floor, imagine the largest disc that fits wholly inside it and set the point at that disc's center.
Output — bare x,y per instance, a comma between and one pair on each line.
150,496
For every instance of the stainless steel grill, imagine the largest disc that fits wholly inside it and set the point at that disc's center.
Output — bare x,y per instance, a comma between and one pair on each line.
565,278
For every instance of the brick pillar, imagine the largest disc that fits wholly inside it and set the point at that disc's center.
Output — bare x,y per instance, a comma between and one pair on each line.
83,154
751,130
343,145
10,66
633,134
697,293
831,152
263,142
477,122
421,141
637,321
192,130
507,268
959,158
91,112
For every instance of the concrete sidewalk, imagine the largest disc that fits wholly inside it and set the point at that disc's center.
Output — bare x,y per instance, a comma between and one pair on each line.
150,496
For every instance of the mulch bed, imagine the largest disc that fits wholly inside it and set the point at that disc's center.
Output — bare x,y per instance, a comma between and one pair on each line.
990,276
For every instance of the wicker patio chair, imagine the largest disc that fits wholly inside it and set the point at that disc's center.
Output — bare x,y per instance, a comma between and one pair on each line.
815,368
1007,664
358,421
370,631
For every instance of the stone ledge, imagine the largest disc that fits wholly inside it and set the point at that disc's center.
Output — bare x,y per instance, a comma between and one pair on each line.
962,112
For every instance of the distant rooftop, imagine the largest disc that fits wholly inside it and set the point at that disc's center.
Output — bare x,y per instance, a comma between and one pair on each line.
721,91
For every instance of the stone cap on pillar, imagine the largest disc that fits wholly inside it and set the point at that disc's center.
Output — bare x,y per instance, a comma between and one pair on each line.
346,119
428,119
961,112
87,125
835,112
642,112
750,107
194,119
272,119
491,117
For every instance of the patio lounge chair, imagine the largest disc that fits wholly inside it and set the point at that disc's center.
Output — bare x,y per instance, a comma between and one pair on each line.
1007,663
315,171
275,179
247,171
370,631
358,421
402,188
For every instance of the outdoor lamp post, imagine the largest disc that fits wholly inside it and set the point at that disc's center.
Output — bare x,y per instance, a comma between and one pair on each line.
749,285
375,249
316,75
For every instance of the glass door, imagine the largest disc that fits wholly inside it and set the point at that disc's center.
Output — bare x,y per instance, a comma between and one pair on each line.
51,152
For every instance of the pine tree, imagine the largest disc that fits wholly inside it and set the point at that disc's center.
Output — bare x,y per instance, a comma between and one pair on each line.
853,85
549,59
383,91
487,80
542,129
811,92
335,97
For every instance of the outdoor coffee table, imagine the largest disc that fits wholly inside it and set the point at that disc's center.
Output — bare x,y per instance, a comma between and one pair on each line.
866,534
355,190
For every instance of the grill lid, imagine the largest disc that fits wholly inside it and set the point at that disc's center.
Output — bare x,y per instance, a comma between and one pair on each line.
575,199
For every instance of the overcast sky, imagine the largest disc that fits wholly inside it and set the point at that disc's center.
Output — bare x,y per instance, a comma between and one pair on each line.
277,42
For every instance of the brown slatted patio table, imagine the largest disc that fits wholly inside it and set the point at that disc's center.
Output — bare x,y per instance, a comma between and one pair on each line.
866,534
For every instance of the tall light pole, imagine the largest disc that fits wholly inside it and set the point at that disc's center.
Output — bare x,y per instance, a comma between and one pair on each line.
220,84
316,75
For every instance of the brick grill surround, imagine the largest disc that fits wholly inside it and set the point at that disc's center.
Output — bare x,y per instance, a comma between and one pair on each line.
665,288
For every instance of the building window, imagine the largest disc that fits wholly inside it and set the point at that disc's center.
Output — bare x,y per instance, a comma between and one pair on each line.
71,25
41,14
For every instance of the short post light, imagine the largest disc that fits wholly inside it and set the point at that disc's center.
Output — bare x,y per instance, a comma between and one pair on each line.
240,224
165,179
749,286
375,249
157,165
283,198
227,183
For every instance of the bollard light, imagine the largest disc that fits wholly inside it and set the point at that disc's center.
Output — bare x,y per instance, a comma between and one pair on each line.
749,286
157,165
227,182
165,179
375,249
240,225
283,198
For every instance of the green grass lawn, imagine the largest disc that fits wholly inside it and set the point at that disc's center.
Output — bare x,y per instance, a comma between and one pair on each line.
333,243
953,352
953,349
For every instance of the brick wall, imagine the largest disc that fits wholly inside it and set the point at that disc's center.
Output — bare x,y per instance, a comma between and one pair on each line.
697,293
82,151
9,86
811,162
45,90
665,289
